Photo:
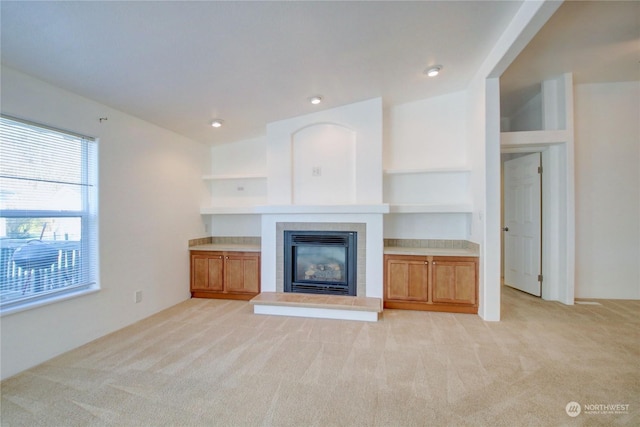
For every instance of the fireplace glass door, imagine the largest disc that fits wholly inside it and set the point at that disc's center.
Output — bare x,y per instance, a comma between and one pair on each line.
321,262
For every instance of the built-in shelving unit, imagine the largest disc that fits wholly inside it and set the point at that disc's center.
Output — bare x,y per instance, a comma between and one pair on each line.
513,142
425,171
406,191
416,208
232,176
235,194
228,210
427,190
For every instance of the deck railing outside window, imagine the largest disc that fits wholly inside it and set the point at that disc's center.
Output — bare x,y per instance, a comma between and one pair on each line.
48,212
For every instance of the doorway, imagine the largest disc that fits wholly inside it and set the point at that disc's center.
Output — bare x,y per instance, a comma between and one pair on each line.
557,217
522,222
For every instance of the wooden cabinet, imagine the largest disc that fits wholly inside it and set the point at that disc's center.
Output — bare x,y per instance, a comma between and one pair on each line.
230,275
431,283
242,273
454,280
407,279
206,272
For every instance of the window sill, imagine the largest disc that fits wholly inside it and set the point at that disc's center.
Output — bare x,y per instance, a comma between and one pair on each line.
28,305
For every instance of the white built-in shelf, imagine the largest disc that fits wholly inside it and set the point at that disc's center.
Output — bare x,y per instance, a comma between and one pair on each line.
382,208
236,176
228,210
434,208
425,171
396,177
428,190
337,209
536,137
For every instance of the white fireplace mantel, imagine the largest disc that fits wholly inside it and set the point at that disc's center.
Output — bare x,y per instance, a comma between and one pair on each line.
382,208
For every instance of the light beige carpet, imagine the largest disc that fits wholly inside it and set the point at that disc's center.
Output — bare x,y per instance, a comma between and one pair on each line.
214,363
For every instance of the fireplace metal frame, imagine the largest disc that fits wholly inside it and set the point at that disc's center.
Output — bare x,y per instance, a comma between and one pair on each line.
296,238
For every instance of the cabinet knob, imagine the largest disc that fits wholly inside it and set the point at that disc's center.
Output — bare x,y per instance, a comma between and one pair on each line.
226,257
434,263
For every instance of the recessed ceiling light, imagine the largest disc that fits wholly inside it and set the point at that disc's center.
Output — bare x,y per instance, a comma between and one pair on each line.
315,100
433,71
217,123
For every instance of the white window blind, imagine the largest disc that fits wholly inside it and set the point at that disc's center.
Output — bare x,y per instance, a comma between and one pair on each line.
48,212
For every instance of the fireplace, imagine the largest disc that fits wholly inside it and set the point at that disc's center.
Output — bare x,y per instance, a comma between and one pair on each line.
320,262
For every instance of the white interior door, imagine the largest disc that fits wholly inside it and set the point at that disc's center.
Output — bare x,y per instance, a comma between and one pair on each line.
522,223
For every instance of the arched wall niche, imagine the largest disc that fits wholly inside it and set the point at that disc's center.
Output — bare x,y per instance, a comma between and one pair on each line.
325,138
323,165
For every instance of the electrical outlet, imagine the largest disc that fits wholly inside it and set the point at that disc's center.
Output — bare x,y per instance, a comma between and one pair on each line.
316,171
138,296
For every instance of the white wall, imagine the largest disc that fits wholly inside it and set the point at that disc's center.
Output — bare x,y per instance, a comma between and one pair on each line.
323,158
150,195
528,117
430,133
445,226
248,157
607,164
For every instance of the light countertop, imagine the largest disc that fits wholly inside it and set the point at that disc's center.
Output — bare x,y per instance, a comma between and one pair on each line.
402,250
390,250
230,247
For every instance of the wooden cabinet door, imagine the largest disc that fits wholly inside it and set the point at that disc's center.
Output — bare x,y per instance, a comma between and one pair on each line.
454,281
216,267
242,273
206,272
406,278
199,272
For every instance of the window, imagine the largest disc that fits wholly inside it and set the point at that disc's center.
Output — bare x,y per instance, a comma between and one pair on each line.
48,214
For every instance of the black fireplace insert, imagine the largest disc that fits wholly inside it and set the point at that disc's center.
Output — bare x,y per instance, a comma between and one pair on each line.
320,262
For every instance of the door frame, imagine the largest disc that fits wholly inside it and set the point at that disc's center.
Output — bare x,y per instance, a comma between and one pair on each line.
557,219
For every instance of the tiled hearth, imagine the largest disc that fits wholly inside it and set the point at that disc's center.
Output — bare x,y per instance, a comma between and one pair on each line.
318,306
